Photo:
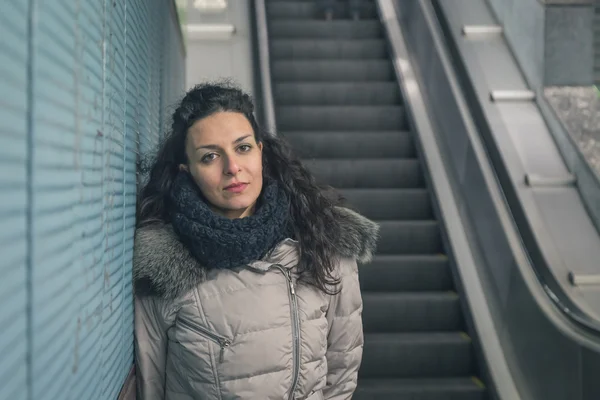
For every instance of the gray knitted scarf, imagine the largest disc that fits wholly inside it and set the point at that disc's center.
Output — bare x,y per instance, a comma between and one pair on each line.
220,242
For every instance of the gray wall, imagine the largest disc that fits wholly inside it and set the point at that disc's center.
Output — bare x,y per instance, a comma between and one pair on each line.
551,39
209,58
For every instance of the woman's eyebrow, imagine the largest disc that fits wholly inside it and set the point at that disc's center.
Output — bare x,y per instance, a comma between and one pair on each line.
215,147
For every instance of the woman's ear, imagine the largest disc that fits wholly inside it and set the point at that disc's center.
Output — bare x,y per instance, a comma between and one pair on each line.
260,146
183,167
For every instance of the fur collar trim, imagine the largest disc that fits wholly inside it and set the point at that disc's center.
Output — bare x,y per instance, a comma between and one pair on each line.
164,266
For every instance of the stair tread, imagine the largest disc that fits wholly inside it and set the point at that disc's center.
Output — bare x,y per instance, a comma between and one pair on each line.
449,295
338,118
324,49
359,173
326,108
332,70
337,93
325,29
337,62
337,84
411,311
424,383
348,146
459,388
406,273
452,337
348,132
410,257
282,10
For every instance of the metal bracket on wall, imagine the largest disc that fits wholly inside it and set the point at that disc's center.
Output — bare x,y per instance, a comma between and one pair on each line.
582,280
512,95
533,180
481,30
210,31
210,6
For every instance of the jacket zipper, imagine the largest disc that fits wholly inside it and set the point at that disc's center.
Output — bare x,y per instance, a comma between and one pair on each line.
295,327
221,341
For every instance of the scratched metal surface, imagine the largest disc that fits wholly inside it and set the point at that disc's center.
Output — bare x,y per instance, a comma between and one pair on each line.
82,89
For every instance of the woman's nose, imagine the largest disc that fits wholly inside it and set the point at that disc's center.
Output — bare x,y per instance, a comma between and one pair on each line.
231,166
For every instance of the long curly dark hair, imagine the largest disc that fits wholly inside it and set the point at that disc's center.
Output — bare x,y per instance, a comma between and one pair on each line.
311,205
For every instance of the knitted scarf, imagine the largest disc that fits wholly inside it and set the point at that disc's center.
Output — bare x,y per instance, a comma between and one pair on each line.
220,242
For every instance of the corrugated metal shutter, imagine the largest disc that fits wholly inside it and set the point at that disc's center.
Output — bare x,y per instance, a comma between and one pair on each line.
113,356
13,208
90,299
56,178
597,42
68,156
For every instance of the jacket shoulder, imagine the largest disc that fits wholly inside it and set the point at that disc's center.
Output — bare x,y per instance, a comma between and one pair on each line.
162,265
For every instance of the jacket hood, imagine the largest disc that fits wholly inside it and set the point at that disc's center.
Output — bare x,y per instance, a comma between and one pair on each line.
163,266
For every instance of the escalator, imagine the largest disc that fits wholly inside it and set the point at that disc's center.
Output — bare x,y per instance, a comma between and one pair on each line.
337,101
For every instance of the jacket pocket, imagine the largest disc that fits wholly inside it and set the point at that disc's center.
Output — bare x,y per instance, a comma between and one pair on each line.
222,341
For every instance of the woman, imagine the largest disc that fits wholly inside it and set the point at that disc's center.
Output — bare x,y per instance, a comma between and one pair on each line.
245,272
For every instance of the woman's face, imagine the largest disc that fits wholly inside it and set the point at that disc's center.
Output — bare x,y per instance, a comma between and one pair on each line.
226,163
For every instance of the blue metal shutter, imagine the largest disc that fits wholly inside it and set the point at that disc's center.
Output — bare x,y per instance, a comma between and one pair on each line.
13,208
145,62
597,42
89,299
57,273
69,142
113,356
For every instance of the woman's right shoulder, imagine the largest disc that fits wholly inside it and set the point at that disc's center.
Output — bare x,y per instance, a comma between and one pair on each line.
162,265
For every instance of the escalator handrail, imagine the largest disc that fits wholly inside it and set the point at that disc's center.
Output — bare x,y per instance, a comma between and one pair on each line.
262,35
549,285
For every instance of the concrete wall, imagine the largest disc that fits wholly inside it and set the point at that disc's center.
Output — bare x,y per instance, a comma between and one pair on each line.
82,84
551,39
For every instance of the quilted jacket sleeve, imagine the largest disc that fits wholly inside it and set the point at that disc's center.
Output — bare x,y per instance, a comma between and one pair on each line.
345,338
152,320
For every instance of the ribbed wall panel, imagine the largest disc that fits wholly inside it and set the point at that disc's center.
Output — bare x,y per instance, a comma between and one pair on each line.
68,156
13,208
55,181
114,187
91,30
597,43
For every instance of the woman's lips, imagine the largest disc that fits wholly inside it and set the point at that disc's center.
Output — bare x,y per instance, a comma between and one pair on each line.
238,188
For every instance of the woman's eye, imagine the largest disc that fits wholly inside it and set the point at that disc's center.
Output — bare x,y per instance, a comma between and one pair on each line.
245,148
209,157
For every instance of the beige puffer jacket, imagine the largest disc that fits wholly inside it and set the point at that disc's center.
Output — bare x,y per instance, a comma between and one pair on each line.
246,333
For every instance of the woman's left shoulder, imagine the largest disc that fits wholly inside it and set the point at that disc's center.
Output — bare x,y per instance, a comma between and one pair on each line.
357,239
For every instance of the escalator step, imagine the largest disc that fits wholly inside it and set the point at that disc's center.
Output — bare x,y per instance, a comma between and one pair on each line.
338,118
411,312
398,204
351,145
369,29
367,173
409,237
388,273
332,70
311,9
340,108
337,93
412,355
420,389
327,49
